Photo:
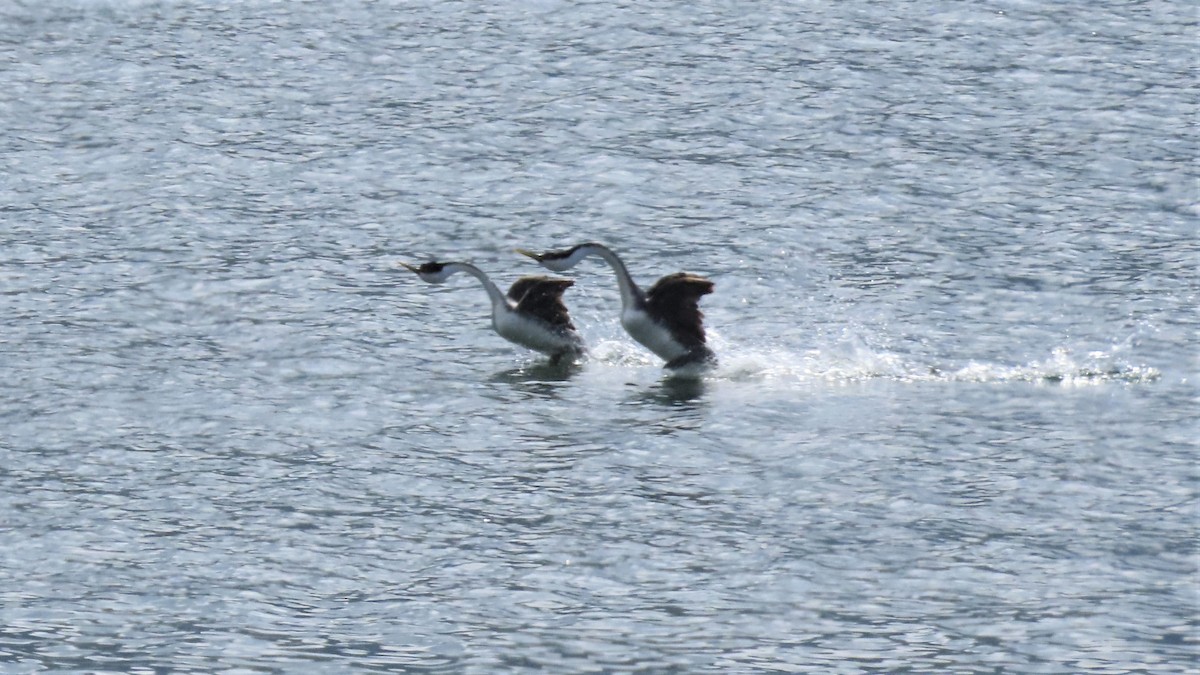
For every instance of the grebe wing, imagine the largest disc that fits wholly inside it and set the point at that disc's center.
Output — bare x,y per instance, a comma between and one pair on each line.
674,300
542,297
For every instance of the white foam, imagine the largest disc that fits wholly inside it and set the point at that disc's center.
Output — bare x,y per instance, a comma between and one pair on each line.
621,353
850,359
1061,367
855,363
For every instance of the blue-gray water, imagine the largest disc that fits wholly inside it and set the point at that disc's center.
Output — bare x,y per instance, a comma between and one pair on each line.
955,253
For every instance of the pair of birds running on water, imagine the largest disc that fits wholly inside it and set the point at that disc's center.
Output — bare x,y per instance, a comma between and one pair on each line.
666,319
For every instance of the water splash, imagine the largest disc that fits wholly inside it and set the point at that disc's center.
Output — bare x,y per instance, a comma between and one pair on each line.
858,363
1061,367
851,360
621,353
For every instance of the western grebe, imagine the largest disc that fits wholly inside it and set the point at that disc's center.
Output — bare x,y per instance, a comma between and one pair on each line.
666,319
532,315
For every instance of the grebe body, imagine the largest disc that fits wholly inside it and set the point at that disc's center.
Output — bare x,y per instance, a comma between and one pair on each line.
666,319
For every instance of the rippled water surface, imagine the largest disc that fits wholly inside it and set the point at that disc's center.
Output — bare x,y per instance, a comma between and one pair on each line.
954,425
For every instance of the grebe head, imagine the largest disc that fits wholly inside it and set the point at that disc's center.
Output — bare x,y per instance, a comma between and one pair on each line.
431,272
558,261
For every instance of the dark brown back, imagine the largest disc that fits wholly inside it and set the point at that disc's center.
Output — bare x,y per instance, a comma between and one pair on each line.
674,300
542,297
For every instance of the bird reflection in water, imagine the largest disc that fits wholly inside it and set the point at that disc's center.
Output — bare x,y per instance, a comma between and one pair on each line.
541,379
677,404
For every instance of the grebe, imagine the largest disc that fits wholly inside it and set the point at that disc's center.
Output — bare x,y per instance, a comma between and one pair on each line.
532,315
666,319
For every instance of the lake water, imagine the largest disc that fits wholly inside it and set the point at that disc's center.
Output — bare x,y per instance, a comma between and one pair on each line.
954,428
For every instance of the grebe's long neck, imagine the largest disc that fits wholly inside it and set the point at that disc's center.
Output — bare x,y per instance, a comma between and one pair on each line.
631,295
499,302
